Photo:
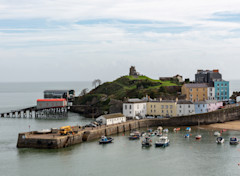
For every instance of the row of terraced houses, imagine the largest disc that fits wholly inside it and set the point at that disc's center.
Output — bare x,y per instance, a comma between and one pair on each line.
206,94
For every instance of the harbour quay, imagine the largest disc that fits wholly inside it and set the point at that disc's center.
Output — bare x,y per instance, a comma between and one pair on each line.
53,139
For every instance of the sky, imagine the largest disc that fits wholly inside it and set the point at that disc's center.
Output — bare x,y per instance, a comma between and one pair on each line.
79,40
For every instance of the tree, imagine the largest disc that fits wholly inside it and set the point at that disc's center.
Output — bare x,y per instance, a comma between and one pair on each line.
96,82
84,92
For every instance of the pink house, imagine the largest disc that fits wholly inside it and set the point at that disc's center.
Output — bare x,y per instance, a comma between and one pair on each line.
213,105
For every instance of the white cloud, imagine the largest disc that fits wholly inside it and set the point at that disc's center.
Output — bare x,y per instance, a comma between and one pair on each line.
107,50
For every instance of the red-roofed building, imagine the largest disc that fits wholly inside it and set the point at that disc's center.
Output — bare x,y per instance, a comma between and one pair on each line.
51,103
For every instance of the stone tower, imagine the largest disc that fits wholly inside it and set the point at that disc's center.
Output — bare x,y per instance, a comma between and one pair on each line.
133,72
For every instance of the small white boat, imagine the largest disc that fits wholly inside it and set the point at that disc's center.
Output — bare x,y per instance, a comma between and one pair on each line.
165,130
187,135
219,140
162,142
199,136
188,129
217,133
160,128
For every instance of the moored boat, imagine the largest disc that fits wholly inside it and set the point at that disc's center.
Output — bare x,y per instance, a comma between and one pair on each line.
176,129
199,136
187,135
162,142
105,140
160,128
188,129
134,135
165,130
147,142
234,141
217,133
220,140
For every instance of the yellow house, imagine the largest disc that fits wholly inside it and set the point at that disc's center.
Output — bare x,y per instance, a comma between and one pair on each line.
162,108
195,92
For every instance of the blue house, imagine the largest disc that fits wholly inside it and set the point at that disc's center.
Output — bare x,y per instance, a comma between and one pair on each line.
200,107
221,90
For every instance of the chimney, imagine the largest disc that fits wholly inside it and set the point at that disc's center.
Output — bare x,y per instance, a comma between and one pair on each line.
177,99
216,71
160,99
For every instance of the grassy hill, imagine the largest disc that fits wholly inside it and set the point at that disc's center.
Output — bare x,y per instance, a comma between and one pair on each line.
128,86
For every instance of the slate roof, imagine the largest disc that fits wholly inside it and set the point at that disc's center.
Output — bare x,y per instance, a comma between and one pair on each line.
184,102
197,85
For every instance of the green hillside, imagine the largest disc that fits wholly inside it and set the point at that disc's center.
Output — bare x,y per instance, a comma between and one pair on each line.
129,86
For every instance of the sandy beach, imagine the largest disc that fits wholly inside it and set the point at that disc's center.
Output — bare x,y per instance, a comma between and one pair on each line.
233,125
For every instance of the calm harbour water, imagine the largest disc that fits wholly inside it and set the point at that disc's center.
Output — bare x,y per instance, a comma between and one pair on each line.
123,157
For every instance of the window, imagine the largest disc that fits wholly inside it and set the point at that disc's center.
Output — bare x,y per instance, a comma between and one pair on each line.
166,106
197,90
180,111
125,106
180,106
171,106
151,110
130,112
198,105
188,106
190,90
162,106
154,106
151,106
171,111
154,110
162,111
226,85
130,106
138,106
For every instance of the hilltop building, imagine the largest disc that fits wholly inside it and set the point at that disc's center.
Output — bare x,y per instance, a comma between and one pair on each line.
177,77
133,72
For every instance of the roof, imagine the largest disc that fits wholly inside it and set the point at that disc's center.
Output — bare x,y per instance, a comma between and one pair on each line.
163,101
135,100
60,99
111,116
200,102
197,85
184,102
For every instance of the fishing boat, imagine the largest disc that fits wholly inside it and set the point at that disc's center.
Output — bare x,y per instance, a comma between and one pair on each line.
105,140
156,132
160,128
162,142
143,134
176,129
134,135
188,129
187,135
165,130
199,136
234,141
151,134
219,140
217,133
147,142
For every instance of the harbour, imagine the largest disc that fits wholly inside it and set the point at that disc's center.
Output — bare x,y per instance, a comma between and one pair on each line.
122,153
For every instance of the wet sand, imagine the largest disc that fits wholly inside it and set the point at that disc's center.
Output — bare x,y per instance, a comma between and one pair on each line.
233,125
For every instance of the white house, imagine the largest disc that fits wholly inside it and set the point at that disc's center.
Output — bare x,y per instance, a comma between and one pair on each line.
135,107
211,93
111,119
185,108
213,105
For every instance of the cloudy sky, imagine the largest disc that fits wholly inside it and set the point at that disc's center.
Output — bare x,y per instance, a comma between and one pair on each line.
79,40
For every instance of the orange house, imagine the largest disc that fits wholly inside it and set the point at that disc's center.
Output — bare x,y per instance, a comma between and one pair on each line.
195,91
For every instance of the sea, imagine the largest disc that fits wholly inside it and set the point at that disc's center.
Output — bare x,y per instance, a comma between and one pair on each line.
184,157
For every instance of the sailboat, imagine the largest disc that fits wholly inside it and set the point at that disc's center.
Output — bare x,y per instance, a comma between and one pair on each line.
199,136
